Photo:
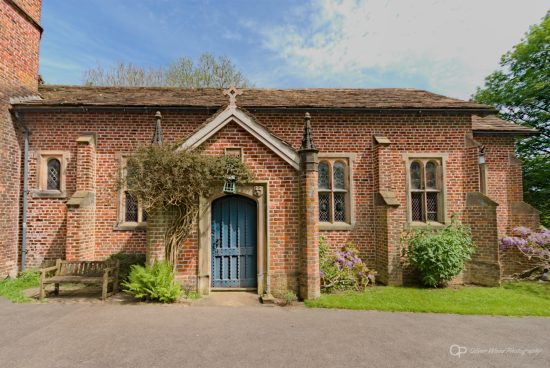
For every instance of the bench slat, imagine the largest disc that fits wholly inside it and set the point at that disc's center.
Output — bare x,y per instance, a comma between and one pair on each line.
75,279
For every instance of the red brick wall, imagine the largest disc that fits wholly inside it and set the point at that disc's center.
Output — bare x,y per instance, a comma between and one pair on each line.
123,132
116,133
19,40
502,178
284,198
481,216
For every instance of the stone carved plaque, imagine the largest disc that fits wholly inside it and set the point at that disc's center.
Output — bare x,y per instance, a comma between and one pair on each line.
258,191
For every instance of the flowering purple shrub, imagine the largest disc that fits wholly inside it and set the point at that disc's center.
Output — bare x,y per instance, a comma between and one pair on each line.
343,270
533,244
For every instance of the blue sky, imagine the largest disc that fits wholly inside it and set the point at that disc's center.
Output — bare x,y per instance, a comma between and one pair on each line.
445,46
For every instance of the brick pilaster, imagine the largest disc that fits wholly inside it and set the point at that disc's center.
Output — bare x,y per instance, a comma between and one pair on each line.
388,217
81,207
481,216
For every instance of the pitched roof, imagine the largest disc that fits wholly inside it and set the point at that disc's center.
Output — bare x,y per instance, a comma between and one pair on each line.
491,124
382,98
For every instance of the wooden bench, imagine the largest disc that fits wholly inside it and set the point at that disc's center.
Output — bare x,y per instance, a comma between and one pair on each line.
82,272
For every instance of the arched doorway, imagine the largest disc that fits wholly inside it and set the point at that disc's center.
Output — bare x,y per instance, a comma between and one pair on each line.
234,242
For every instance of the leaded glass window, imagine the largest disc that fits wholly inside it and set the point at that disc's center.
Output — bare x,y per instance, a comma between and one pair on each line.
131,210
339,175
324,207
425,190
53,174
333,191
324,182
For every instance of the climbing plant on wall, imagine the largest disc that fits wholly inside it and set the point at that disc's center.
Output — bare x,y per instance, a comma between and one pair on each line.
170,181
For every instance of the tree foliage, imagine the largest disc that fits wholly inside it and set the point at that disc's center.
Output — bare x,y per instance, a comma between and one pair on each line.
170,181
520,90
184,72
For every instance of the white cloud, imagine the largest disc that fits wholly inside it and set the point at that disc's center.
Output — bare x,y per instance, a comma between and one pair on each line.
449,45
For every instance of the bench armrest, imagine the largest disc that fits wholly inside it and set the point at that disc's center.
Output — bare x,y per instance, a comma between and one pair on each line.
108,270
48,269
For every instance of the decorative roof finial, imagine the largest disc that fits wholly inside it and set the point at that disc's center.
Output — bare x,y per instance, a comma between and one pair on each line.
307,139
232,92
157,136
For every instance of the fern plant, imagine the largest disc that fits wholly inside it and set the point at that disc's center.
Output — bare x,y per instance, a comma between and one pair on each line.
153,283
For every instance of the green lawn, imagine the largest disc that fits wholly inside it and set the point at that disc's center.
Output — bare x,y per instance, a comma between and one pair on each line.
12,289
511,299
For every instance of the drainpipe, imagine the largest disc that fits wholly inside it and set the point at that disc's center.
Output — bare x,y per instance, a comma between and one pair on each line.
25,189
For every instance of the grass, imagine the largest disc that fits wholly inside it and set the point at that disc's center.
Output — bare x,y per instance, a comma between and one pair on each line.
510,299
12,289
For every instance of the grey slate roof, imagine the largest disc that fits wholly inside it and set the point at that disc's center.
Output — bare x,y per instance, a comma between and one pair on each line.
492,123
381,98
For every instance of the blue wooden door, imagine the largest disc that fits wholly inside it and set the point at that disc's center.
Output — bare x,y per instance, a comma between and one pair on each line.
234,242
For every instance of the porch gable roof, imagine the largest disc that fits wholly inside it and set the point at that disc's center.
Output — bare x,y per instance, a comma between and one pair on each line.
248,123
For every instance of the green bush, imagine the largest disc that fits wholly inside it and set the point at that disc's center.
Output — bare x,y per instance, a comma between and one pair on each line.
439,253
343,270
153,283
127,260
289,298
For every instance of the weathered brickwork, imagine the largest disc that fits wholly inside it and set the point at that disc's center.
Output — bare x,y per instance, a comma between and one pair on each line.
505,187
283,206
499,153
120,133
20,39
481,216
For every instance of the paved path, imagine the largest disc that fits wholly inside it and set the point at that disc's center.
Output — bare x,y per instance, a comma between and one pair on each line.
106,335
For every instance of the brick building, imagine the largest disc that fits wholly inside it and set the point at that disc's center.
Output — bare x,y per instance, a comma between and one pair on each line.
352,165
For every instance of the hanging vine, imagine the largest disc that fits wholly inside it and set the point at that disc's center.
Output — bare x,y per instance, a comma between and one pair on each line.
170,182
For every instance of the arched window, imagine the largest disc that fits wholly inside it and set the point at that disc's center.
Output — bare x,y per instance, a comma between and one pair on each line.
425,191
333,191
54,174
324,181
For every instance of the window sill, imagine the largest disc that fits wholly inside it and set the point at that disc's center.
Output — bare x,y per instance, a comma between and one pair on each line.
335,226
130,226
49,194
418,224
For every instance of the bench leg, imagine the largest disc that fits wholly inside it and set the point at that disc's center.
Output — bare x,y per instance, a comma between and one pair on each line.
56,289
42,291
115,286
104,289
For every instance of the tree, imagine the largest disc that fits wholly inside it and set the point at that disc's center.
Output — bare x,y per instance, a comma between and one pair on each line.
206,72
520,90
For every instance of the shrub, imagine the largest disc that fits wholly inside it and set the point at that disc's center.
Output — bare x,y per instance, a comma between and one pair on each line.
288,298
439,254
153,283
343,270
126,261
535,245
